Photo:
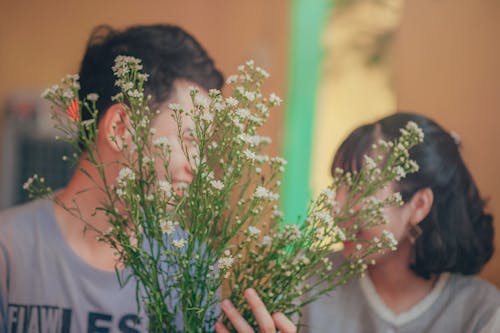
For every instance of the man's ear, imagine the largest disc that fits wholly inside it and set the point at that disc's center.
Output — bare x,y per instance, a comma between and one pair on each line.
421,204
116,127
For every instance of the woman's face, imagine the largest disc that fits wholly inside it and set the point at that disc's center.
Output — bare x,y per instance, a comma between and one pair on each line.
397,223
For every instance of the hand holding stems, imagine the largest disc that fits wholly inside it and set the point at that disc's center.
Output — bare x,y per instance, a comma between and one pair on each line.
267,323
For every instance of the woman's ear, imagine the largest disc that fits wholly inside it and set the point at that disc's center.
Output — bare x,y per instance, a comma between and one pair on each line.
116,127
421,204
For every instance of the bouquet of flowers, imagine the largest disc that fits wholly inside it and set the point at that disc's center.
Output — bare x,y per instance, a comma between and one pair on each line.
223,232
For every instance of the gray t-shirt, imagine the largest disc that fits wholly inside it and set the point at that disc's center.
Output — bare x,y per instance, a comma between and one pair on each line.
46,287
457,304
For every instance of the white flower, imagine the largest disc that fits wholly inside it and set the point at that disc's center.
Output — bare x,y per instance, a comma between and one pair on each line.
127,86
120,192
274,99
329,194
179,243
231,101
93,97
202,101
167,227
174,107
28,183
125,174
232,79
207,116
225,263
413,127
135,93
68,94
165,187
250,95
243,113
217,184
399,172
123,64
413,166
254,140
324,217
161,141
279,160
218,106
278,213
303,260
250,155
267,240
263,193
369,162
339,233
193,90
143,76
117,97
50,91
262,72
253,231
389,237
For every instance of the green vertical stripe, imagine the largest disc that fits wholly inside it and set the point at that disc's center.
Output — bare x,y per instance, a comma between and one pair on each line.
307,24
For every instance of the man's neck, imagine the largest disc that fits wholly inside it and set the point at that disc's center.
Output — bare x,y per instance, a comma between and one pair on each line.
396,284
80,222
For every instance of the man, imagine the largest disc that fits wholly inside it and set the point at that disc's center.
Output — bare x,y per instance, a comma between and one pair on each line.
54,277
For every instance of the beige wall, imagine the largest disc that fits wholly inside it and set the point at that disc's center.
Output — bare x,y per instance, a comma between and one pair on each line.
447,66
41,41
446,58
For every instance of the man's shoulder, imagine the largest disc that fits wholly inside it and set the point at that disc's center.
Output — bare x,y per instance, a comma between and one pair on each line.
21,222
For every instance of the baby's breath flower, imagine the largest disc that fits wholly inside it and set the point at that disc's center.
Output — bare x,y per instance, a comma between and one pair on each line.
161,141
125,175
135,93
217,184
250,95
329,194
179,243
263,193
231,101
165,187
202,101
253,231
274,99
207,116
28,183
225,263
117,97
232,79
174,107
266,240
167,227
278,213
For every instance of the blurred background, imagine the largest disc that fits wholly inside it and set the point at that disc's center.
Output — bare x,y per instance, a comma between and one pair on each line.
337,64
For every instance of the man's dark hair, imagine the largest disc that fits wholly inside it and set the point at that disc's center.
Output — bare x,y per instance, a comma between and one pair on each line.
457,234
167,52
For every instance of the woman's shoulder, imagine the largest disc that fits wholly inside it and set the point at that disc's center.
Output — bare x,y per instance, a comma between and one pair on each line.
475,290
478,300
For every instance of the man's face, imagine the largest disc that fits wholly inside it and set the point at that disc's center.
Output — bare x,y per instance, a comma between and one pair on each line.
180,168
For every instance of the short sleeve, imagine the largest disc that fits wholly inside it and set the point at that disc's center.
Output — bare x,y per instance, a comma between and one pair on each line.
4,286
493,325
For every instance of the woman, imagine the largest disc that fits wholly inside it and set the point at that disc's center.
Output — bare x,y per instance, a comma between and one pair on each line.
444,239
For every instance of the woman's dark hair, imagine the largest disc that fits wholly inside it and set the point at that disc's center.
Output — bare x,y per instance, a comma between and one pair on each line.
457,233
167,52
